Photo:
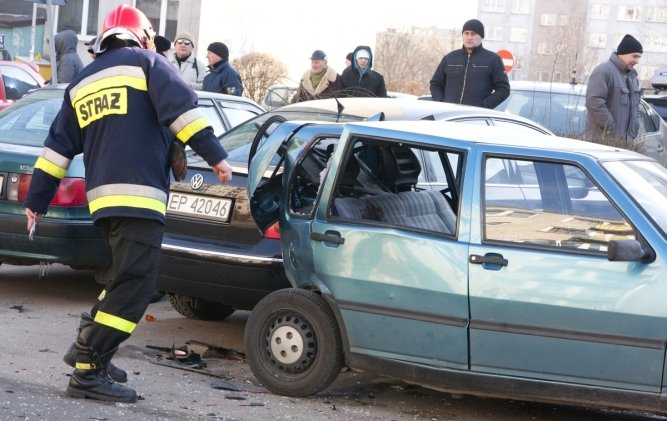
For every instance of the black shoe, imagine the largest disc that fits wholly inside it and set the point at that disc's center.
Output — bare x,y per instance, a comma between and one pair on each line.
117,374
97,385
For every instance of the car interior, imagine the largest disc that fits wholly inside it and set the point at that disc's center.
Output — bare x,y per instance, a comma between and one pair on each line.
382,183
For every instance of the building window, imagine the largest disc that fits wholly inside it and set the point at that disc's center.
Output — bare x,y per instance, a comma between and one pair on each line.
494,33
656,14
81,16
519,35
655,44
543,76
629,13
544,48
521,7
563,20
599,11
597,40
495,6
547,19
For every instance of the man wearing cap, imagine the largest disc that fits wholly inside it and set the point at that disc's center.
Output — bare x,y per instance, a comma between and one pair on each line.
192,71
612,95
320,82
359,80
222,77
471,75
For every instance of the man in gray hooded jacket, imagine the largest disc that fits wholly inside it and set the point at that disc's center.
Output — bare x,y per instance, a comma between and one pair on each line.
68,61
613,93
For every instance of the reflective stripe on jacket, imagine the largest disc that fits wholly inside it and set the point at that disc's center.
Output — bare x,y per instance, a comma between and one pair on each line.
115,112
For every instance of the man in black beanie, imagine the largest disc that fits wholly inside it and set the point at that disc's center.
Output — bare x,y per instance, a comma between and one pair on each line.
471,75
612,95
222,78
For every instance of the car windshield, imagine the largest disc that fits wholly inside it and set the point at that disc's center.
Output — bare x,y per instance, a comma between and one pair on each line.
646,182
237,141
27,122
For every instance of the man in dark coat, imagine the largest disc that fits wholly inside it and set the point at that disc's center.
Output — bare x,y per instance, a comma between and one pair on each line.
222,78
471,75
359,79
613,95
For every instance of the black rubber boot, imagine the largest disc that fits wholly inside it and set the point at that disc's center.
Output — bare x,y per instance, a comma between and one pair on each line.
90,379
117,374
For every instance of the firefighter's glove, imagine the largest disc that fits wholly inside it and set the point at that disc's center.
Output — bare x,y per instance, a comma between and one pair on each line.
177,160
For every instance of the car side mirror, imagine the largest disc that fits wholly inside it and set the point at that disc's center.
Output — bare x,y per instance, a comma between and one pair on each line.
628,251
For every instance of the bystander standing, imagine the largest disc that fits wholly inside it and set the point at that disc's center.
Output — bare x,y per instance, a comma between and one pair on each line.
471,75
222,77
613,93
359,79
320,81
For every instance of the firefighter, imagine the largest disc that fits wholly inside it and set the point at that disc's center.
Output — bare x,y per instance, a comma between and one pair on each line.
114,113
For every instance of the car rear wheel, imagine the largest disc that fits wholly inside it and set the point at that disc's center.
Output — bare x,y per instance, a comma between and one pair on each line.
198,309
293,343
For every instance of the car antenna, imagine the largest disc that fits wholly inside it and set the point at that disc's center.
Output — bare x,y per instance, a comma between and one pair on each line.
341,107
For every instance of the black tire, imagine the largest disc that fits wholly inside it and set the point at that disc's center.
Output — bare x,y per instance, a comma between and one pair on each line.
293,343
199,309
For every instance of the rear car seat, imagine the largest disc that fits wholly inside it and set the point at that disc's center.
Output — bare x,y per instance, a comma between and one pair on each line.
427,210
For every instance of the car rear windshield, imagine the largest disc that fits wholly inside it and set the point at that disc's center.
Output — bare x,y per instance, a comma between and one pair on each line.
27,122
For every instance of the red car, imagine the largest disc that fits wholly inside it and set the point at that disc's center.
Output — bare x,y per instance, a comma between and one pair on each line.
16,80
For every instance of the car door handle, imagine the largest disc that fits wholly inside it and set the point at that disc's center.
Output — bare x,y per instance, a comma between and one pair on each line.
327,237
489,258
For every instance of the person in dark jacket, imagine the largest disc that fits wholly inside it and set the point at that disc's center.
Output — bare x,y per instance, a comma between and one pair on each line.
115,112
222,78
613,94
471,75
69,63
359,79
320,82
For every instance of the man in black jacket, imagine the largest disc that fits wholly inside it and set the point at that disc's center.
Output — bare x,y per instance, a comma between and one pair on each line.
471,75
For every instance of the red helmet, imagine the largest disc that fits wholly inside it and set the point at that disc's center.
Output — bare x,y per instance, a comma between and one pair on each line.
126,23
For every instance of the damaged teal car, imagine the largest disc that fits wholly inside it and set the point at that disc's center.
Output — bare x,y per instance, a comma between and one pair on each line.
478,261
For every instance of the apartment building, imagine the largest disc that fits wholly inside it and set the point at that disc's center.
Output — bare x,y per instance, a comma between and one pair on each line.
564,40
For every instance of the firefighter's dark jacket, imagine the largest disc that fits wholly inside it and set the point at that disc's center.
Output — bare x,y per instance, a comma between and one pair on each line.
477,78
114,112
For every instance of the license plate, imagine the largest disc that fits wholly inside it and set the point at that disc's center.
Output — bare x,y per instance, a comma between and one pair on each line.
205,207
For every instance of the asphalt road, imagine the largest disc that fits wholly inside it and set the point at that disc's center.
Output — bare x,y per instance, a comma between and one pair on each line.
39,317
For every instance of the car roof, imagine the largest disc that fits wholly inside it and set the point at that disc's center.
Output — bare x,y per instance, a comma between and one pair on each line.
555,87
24,66
401,109
495,136
200,94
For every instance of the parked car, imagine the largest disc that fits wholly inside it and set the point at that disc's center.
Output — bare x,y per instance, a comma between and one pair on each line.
658,102
16,80
475,287
561,107
278,96
214,260
66,234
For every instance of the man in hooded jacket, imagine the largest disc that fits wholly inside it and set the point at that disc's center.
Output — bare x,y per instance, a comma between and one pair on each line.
69,63
359,80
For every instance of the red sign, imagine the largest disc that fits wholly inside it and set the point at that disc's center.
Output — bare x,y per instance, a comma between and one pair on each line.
508,59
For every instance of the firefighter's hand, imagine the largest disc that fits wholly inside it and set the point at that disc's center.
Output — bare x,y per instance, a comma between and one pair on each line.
32,218
223,170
